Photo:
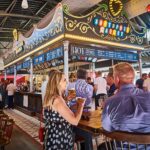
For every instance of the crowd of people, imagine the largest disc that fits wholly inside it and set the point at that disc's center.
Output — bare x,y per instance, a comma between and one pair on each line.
122,101
126,103
7,90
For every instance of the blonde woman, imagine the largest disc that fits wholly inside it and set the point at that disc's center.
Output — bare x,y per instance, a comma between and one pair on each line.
59,118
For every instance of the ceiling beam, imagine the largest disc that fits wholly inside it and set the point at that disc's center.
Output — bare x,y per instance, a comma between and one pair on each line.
75,6
6,45
6,37
11,29
35,14
3,14
11,6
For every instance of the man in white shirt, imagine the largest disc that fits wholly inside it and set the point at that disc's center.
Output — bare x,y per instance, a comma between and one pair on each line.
100,86
11,88
43,89
146,84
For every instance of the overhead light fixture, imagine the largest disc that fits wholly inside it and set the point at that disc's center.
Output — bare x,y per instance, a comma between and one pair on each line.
24,4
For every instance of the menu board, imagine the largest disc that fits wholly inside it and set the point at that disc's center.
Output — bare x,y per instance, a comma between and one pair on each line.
19,67
39,59
101,53
26,64
8,71
53,54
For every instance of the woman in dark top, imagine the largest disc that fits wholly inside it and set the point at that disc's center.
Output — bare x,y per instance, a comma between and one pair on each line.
59,118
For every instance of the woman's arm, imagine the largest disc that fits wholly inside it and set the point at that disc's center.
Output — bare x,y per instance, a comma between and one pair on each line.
60,106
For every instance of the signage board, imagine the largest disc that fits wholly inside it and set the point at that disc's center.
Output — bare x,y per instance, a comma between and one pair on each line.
39,59
53,54
19,67
26,64
101,53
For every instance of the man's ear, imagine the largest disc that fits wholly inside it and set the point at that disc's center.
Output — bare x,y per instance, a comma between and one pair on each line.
117,81
117,78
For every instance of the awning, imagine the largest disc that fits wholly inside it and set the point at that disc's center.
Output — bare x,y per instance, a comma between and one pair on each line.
19,78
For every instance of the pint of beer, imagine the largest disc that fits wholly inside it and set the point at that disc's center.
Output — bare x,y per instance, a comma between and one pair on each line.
80,99
72,92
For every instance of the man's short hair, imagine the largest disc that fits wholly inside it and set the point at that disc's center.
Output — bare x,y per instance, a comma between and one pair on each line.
88,78
99,73
110,74
124,71
81,73
144,74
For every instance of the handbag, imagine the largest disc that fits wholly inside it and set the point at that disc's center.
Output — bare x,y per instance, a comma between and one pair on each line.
41,129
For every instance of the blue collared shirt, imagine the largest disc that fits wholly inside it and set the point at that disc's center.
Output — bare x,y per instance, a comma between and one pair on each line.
84,90
128,110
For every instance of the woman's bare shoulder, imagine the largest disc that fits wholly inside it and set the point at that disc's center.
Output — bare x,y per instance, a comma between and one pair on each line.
58,100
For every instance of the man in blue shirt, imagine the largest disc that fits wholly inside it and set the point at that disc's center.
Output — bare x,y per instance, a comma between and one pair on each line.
83,89
129,109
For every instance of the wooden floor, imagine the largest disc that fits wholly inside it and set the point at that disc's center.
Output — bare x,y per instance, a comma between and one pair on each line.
22,141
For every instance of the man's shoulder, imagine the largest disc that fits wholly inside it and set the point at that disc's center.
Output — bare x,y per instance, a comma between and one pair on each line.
138,97
113,98
139,80
99,79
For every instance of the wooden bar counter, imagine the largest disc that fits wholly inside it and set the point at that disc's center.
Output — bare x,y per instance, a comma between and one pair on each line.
89,128
28,103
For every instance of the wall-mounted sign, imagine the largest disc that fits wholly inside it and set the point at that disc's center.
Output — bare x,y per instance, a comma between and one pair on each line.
53,54
26,64
108,21
19,47
19,67
7,71
101,53
109,28
39,59
12,70
83,58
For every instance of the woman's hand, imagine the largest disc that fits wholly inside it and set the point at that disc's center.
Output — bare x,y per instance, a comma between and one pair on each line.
69,97
80,102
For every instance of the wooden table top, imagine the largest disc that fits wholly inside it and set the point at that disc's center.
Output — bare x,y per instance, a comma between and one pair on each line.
93,124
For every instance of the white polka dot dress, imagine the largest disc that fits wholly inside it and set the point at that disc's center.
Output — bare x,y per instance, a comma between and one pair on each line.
59,134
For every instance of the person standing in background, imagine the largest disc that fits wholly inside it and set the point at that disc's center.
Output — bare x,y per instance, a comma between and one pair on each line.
89,81
100,87
11,88
139,82
146,84
43,88
5,93
83,89
110,82
72,82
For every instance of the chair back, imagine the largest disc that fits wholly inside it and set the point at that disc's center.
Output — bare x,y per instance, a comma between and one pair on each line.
3,121
8,130
126,140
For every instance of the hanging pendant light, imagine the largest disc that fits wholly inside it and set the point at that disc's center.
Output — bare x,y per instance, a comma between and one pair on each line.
24,4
